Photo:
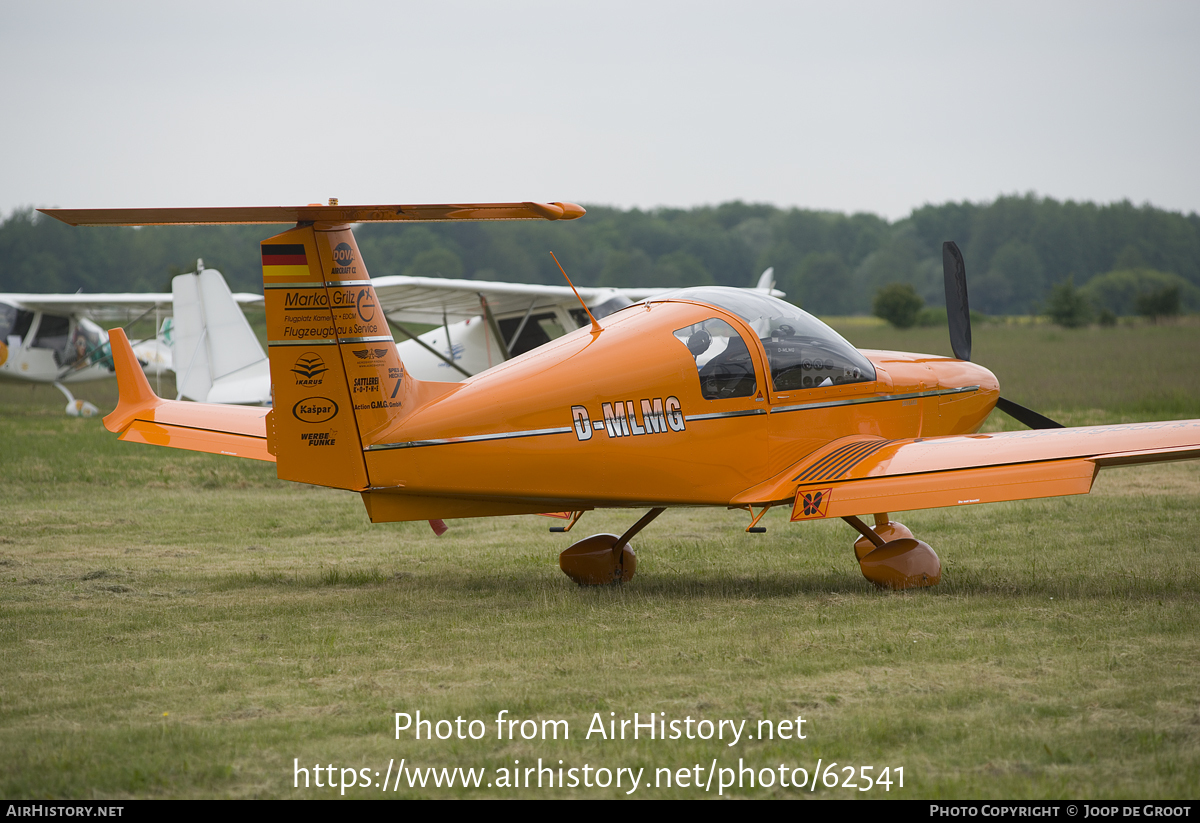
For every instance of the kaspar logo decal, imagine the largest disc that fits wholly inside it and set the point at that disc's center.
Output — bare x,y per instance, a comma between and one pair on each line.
315,410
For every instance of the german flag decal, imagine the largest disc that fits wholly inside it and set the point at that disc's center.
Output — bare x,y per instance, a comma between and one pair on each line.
811,504
284,260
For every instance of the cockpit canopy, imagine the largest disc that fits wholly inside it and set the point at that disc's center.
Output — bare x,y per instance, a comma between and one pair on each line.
802,352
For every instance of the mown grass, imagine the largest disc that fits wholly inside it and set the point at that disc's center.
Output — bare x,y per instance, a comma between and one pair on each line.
180,625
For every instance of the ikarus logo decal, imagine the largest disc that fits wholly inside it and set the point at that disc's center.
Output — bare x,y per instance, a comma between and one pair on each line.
630,418
315,410
308,369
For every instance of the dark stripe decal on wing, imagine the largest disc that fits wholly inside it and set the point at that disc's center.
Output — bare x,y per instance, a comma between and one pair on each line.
839,461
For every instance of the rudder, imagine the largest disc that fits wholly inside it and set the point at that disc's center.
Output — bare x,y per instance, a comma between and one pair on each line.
336,375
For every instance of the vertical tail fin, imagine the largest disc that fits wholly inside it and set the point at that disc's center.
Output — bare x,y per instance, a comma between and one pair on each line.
193,376
336,375
214,344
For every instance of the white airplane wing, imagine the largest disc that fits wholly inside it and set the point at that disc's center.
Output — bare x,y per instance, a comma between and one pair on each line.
102,307
430,299
766,283
108,307
425,299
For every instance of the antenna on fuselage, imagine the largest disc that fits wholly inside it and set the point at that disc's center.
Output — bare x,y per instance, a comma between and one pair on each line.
596,328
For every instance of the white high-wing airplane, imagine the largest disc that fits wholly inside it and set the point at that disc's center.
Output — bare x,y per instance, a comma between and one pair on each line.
57,339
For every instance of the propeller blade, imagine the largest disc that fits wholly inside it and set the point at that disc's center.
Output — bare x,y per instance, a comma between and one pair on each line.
958,316
1027,416
958,310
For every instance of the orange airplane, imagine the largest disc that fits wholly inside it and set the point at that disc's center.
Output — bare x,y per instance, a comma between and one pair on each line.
701,397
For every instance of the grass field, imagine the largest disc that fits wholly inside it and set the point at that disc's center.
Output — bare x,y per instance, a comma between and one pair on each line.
182,625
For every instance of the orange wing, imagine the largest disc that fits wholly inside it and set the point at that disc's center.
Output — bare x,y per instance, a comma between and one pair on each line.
144,417
317,213
864,475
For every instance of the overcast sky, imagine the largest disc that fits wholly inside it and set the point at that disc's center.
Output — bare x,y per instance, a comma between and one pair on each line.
877,107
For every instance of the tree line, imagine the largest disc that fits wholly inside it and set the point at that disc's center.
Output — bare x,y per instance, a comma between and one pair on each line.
1018,249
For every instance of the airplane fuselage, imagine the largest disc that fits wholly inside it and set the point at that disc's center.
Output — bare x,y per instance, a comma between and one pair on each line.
564,423
40,347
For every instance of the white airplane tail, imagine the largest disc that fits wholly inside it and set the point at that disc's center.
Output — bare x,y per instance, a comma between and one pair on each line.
766,281
217,357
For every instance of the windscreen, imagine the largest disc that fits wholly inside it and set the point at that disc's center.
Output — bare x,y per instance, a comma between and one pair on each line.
803,352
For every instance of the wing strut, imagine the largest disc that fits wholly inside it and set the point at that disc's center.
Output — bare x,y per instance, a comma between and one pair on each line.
494,326
413,337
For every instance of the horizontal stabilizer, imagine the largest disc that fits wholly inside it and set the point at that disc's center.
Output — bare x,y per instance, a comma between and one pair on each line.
315,214
142,416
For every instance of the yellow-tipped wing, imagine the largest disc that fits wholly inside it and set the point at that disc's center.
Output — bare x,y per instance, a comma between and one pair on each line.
316,214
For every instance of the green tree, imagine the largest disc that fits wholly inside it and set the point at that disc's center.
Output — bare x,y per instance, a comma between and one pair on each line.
1068,306
1129,258
1014,281
1162,302
899,304
436,263
823,285
899,260
627,269
1119,291
680,270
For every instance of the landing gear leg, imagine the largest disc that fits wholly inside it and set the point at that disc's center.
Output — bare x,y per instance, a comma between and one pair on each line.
604,558
891,558
885,529
76,408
